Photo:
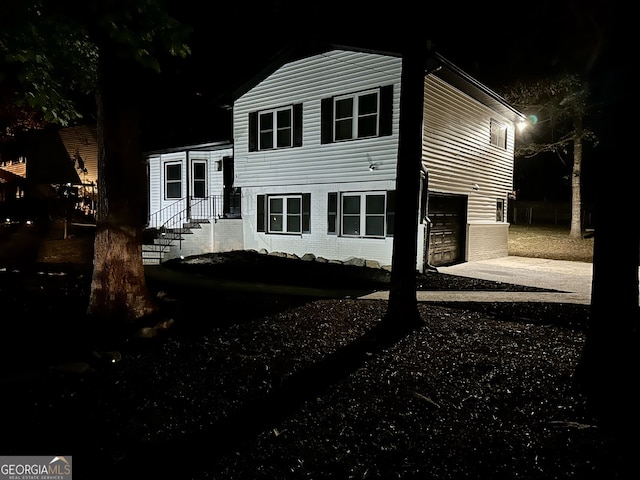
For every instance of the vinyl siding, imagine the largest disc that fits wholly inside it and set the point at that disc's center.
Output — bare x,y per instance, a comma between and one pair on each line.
308,81
317,242
457,152
157,200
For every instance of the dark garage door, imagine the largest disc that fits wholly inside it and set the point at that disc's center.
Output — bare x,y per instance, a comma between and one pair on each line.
448,215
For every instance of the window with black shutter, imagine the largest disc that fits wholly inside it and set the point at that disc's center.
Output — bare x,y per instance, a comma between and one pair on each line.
357,115
275,128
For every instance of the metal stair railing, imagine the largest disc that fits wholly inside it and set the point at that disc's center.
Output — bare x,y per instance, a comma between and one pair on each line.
182,212
159,218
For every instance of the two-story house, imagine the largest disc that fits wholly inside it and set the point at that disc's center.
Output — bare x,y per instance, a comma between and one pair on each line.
315,146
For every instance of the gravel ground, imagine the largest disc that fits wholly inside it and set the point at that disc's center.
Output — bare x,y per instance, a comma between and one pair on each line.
231,386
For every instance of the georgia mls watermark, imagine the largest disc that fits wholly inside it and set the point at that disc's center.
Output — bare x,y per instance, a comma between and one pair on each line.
26,467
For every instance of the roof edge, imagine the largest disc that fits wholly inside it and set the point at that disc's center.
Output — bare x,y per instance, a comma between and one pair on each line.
448,71
199,147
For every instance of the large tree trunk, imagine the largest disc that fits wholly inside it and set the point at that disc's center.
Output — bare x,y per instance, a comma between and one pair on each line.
610,364
576,181
118,286
402,310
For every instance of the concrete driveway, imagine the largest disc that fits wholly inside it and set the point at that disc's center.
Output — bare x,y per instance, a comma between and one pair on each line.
571,281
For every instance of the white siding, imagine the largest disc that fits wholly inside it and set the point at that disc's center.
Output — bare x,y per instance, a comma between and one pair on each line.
308,81
155,185
460,160
157,199
317,168
318,242
158,202
457,152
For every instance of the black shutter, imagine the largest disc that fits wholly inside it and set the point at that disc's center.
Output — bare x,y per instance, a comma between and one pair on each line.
386,110
297,125
260,221
253,131
306,213
326,120
332,213
391,212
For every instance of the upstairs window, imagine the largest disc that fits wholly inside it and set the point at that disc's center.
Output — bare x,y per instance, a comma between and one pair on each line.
276,128
357,115
498,134
173,180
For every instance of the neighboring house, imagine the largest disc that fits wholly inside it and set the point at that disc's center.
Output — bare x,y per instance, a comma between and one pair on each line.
12,188
315,153
81,144
46,165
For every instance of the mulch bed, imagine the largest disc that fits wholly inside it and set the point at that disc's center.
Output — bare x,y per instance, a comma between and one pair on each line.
270,387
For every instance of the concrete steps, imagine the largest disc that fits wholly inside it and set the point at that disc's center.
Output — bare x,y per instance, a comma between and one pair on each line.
162,246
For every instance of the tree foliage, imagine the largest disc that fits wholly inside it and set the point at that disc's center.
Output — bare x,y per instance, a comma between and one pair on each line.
551,104
49,53
558,109
58,49
48,62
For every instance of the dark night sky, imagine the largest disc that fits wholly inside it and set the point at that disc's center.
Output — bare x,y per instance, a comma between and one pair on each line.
495,43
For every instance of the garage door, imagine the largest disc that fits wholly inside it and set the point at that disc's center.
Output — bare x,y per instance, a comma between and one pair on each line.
448,215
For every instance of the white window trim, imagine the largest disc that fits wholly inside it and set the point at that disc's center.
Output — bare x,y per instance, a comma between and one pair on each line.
274,113
498,134
285,216
167,181
195,161
363,214
355,114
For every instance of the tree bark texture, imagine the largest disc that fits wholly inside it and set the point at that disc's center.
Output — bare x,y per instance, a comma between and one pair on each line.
118,285
402,308
576,181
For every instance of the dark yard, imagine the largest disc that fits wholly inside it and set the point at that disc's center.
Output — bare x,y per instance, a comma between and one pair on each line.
235,385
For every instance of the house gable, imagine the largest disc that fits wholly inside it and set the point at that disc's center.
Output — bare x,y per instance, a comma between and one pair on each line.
312,82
